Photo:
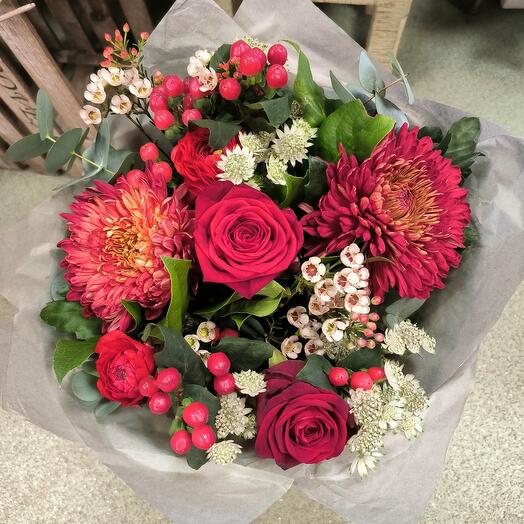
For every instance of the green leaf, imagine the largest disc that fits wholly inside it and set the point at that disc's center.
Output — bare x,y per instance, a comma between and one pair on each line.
177,354
471,235
84,387
367,73
239,319
435,133
134,309
362,359
196,458
251,328
98,152
220,132
63,149
70,354
351,126
316,371
307,92
262,307
201,394
272,290
405,307
106,407
316,182
277,110
89,367
78,149
463,136
220,56
44,114
276,358
28,147
292,190
59,287
178,270
67,317
340,90
388,108
245,353
397,70
215,309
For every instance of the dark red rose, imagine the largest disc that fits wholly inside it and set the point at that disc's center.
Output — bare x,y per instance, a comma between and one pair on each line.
243,239
299,423
195,160
122,363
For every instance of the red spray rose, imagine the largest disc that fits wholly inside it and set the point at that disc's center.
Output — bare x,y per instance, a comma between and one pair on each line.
195,160
243,239
122,363
299,423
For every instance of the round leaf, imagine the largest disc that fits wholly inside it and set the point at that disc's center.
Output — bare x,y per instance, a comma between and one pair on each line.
28,147
44,114
62,150
84,387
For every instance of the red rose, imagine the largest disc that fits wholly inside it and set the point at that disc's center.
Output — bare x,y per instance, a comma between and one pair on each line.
299,423
242,238
195,160
122,363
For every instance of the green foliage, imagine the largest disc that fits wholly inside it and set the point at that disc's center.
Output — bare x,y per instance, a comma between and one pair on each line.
220,56
471,235
178,270
351,126
362,359
293,189
44,115
245,353
67,317
70,354
367,73
59,287
177,353
402,309
63,149
134,309
397,70
98,152
196,458
316,182
316,371
435,133
461,141
120,160
106,407
28,147
276,358
220,131
277,110
84,387
340,90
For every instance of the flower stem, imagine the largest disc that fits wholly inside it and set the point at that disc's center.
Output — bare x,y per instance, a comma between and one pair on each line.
383,90
141,128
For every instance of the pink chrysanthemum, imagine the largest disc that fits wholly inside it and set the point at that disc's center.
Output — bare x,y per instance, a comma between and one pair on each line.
117,235
404,203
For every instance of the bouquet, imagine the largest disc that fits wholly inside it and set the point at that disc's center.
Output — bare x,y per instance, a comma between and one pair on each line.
255,274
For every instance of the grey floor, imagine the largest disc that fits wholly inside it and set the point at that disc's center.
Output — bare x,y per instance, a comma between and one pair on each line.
475,63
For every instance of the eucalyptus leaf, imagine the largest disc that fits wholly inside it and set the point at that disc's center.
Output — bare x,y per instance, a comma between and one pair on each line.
120,160
405,307
397,70
84,387
106,407
70,354
316,371
98,152
220,132
59,287
63,149
388,108
44,114
67,317
278,110
340,90
367,73
78,149
354,129
28,147
362,359
178,270
245,353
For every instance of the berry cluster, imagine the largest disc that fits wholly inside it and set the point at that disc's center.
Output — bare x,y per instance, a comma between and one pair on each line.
194,416
359,379
149,153
157,389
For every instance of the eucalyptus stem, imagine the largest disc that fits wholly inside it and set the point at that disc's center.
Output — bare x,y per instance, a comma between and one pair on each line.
383,90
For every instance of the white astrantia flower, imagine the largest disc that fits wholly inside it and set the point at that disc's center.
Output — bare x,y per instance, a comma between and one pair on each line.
366,406
90,115
206,331
193,342
208,80
313,269
406,336
276,170
250,382
237,165
393,372
411,426
251,427
413,394
114,76
333,329
120,104
366,444
291,144
297,316
232,416
393,410
257,143
291,347
141,88
314,346
302,126
224,452
316,306
352,257
95,93
362,464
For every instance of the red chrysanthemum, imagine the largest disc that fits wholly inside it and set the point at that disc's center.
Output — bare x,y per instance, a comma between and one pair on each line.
117,236
404,203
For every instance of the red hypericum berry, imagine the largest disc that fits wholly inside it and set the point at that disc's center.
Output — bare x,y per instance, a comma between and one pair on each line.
225,384
162,169
194,88
191,114
376,374
218,364
135,175
173,85
262,58
148,151
250,63
238,48
228,332
159,90
157,102
168,379
195,414
187,102
159,403
338,376
229,89
108,38
144,35
126,28
277,54
203,437
181,442
147,386
276,76
362,380
163,119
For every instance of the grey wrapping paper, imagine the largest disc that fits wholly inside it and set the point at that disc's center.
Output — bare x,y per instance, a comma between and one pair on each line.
133,443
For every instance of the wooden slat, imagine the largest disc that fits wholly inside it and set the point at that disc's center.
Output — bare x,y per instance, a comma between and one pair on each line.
99,16
38,21
15,93
137,16
29,49
10,134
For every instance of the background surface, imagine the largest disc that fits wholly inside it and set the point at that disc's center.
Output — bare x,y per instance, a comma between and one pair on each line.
472,62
